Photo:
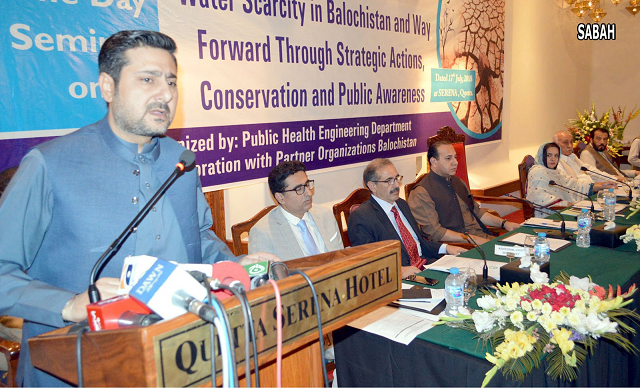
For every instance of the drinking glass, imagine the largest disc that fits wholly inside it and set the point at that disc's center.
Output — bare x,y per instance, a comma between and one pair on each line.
529,242
470,285
601,199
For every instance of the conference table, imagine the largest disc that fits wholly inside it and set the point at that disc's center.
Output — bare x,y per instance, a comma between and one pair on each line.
446,356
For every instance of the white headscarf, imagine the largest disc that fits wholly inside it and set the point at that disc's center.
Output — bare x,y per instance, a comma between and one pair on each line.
539,191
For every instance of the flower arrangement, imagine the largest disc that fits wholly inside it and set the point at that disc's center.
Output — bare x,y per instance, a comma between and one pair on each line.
632,234
634,207
560,322
581,127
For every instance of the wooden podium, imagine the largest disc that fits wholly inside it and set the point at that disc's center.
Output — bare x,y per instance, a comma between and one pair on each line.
349,283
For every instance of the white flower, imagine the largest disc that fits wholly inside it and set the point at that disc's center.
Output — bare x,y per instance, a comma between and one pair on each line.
536,304
513,301
532,316
580,306
578,321
537,276
599,326
526,305
516,317
580,284
487,302
525,262
546,323
483,321
557,318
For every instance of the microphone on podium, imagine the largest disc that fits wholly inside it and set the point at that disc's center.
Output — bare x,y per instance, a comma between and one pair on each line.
485,280
158,286
181,299
186,160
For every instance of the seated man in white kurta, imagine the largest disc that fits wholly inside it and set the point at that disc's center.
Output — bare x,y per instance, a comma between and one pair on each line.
572,165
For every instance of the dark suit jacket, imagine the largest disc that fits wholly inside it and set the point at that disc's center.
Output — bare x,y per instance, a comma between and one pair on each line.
369,224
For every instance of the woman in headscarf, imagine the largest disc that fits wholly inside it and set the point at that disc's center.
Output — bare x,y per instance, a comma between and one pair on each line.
540,192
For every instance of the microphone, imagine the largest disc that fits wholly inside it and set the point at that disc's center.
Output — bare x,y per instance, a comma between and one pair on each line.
583,168
118,312
187,158
129,318
185,301
258,273
553,183
550,233
486,280
226,273
156,288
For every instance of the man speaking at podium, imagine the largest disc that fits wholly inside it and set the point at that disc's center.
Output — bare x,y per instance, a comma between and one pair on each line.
72,196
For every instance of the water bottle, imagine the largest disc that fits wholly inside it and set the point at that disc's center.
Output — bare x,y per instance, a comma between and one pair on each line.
454,292
541,249
584,227
609,209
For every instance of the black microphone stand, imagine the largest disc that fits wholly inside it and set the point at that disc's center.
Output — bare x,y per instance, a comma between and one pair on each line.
583,168
186,160
593,209
550,232
485,280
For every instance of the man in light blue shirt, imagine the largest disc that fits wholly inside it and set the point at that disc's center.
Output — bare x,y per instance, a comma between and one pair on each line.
72,196
295,228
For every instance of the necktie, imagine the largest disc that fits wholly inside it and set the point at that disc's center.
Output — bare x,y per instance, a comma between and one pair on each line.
408,241
311,246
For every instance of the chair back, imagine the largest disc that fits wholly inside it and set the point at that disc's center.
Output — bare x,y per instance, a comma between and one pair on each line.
458,141
523,172
240,228
9,349
409,186
342,210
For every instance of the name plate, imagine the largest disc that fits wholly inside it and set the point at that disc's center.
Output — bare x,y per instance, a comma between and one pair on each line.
502,250
183,355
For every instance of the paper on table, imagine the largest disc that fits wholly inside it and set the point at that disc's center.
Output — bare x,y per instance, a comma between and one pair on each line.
596,206
554,243
546,223
622,191
448,261
393,324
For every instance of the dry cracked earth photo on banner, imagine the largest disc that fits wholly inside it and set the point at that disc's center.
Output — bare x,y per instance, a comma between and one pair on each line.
472,38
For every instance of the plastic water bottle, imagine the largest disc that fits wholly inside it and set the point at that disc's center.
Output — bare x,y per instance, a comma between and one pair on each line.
584,227
609,209
454,292
541,249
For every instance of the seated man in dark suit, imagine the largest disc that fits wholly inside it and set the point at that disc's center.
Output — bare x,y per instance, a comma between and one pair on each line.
385,216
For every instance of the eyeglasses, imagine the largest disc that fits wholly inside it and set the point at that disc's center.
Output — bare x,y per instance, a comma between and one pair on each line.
397,178
300,189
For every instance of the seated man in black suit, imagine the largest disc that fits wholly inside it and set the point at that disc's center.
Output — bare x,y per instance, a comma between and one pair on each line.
385,216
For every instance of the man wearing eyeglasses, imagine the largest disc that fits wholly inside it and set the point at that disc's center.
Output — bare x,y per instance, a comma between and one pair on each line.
443,204
294,229
385,216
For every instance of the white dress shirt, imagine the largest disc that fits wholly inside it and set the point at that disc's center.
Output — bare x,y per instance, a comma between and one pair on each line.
386,207
313,229
572,165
